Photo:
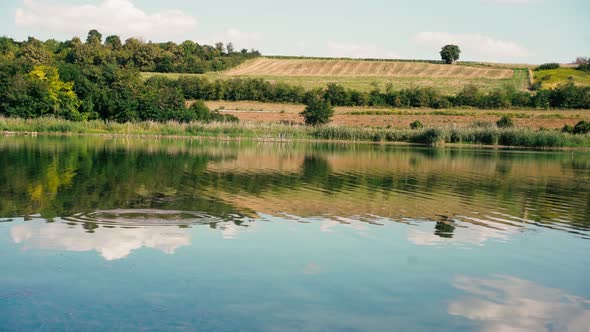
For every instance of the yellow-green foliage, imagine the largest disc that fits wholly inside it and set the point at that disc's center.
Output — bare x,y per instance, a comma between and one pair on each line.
61,94
553,77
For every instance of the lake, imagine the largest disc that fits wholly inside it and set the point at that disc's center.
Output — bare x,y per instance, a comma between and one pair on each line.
102,234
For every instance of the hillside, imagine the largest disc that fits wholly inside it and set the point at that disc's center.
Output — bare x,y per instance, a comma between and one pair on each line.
550,78
356,68
365,75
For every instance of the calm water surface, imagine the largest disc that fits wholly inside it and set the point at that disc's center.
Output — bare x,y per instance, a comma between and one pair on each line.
119,235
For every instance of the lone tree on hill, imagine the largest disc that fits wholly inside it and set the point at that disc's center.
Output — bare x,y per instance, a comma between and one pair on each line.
317,112
450,53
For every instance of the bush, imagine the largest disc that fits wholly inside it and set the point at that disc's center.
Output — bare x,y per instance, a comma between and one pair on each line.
567,129
505,122
434,136
547,66
416,125
198,111
317,112
583,63
582,127
536,86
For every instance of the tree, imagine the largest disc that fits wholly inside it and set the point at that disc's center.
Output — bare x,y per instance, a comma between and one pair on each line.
94,37
336,95
220,47
230,48
450,53
317,112
62,101
34,52
583,63
114,42
581,60
469,96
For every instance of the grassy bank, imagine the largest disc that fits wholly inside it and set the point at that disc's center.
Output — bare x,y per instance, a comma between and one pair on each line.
272,131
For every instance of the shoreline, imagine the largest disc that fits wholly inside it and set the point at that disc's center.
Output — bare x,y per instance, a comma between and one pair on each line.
284,140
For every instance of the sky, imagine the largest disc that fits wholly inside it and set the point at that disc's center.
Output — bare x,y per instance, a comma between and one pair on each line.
511,31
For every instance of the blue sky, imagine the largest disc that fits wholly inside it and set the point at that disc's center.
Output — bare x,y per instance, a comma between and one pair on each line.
524,31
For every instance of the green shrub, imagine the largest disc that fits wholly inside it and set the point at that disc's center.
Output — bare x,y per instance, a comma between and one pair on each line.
567,129
434,136
584,64
416,125
198,111
582,127
505,122
548,66
317,112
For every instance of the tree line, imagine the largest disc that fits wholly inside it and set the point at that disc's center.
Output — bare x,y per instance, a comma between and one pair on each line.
96,80
113,93
564,96
187,57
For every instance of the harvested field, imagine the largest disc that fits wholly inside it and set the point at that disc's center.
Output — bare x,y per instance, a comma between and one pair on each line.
368,75
401,118
357,68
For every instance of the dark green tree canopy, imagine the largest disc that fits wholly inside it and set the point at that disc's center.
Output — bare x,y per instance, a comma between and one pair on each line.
94,37
113,42
450,53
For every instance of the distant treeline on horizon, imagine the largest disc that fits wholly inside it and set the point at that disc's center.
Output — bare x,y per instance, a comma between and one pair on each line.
169,57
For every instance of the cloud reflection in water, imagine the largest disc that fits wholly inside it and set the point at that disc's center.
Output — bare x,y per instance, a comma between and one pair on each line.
114,234
505,303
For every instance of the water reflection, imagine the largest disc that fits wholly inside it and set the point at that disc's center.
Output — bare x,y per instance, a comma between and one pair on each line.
111,244
269,236
85,178
114,234
460,233
505,303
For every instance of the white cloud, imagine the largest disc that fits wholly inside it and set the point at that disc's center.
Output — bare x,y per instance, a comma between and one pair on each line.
475,46
111,243
351,50
465,233
505,303
119,17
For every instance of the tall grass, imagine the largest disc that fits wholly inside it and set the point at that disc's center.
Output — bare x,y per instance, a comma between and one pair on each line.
483,135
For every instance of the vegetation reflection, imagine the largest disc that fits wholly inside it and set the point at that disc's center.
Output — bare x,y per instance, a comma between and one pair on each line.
231,181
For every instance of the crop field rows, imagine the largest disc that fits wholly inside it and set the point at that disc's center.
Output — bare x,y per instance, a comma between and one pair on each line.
368,75
352,68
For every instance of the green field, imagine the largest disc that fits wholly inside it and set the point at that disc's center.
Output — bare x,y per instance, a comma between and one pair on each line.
554,77
445,85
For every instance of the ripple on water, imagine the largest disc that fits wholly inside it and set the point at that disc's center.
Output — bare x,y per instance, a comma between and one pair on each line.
144,217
